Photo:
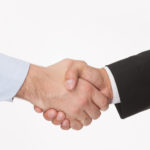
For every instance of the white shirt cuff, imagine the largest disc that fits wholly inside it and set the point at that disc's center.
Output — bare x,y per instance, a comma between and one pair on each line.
116,97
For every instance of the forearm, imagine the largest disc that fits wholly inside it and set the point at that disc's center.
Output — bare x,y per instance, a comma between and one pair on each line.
30,88
132,76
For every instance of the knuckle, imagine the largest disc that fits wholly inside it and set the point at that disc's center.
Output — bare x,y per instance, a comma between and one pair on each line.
68,60
81,62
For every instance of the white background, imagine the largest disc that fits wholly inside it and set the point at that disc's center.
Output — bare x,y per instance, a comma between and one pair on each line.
99,32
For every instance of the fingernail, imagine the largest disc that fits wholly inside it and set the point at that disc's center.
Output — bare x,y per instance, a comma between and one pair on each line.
70,84
64,124
59,118
51,115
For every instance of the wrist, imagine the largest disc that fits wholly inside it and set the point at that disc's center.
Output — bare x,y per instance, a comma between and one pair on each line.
108,87
29,89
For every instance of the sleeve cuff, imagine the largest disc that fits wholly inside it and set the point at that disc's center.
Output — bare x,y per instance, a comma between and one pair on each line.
116,97
12,75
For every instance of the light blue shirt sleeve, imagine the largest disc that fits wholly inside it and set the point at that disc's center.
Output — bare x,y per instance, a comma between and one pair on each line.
12,75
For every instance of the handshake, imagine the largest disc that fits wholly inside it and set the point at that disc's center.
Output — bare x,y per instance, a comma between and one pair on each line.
70,93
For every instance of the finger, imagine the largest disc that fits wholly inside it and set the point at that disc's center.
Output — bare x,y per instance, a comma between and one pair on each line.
55,122
73,73
100,100
65,125
71,83
94,76
76,125
59,118
93,111
84,118
81,69
50,114
87,120
37,109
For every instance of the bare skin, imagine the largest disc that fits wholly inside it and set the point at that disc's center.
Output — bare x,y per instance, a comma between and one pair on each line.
79,69
44,88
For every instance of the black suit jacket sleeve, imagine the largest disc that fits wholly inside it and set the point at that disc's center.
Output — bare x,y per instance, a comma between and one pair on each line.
132,76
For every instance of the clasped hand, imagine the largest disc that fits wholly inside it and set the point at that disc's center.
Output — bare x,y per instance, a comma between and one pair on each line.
70,93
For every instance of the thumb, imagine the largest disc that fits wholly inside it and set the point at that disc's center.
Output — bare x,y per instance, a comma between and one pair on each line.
71,78
82,70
